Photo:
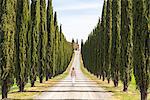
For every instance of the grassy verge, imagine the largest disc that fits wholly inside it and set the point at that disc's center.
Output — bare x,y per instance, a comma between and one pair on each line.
31,92
118,94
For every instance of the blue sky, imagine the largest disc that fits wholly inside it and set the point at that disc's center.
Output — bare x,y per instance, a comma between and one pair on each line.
78,17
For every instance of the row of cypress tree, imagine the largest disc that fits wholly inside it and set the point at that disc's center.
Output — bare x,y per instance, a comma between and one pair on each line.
31,43
119,45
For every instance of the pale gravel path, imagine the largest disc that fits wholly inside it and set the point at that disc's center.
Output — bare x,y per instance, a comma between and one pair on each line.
83,89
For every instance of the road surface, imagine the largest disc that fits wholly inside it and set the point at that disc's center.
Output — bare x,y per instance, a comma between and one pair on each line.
83,88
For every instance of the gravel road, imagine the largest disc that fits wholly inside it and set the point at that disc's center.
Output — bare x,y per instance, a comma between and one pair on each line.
82,89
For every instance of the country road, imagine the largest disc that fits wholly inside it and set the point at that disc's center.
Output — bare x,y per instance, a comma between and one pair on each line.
83,88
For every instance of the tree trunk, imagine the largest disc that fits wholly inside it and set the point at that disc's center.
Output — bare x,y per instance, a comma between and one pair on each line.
41,79
100,76
143,95
50,76
4,89
103,77
21,87
97,75
125,87
32,84
47,77
108,81
115,83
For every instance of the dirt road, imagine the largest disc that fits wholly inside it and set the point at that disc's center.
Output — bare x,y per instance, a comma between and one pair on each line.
83,88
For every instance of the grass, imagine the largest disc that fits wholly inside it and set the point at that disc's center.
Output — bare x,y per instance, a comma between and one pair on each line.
118,94
31,92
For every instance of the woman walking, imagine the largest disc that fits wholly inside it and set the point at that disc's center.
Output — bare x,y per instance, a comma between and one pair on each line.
73,76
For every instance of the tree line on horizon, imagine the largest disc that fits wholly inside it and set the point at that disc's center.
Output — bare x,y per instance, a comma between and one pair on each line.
119,46
32,45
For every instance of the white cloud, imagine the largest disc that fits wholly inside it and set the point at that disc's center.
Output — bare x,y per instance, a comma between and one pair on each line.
78,18
78,7
79,27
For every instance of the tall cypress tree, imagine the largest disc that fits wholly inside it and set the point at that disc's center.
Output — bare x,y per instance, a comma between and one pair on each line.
126,43
108,39
7,32
82,44
48,52
50,45
28,45
42,41
116,45
73,42
102,40
97,51
35,20
61,51
141,45
21,43
56,44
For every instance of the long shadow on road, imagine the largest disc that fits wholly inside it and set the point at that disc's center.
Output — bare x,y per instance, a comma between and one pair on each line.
68,91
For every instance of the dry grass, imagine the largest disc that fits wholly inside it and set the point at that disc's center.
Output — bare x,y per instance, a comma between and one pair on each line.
31,92
118,94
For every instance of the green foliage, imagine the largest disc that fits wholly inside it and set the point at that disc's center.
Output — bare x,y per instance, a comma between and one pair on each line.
119,42
102,41
126,43
31,44
35,22
42,41
116,45
21,71
92,56
50,45
61,51
141,48
7,33
56,44
108,39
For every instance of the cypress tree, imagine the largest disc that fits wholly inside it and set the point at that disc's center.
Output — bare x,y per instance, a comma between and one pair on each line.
50,45
108,39
54,57
82,44
48,52
63,47
7,32
126,43
35,20
28,45
102,40
56,44
73,44
61,51
97,51
116,45
141,45
65,60
42,41
21,70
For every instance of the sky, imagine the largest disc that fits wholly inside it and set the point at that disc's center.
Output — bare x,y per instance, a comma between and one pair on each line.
78,17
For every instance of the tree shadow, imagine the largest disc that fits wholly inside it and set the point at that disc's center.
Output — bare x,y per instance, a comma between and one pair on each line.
68,86
71,82
65,91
